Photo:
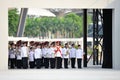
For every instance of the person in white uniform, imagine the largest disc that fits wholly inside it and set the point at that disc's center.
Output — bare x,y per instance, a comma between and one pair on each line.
49,56
38,56
52,55
65,53
24,54
43,51
46,55
12,53
58,55
18,57
73,56
79,56
31,58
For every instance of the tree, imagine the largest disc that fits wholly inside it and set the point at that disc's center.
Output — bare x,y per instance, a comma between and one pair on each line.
66,26
69,26
76,24
13,19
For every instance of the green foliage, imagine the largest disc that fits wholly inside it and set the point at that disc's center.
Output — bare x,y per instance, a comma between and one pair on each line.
13,19
75,24
68,26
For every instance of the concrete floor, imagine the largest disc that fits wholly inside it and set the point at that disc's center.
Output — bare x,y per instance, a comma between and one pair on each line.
61,74
92,72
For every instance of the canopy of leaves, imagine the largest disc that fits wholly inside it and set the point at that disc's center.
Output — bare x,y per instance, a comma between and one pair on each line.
13,19
60,27
67,26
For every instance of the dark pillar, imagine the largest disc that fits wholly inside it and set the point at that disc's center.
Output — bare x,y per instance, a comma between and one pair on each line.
85,36
97,34
107,38
21,24
94,14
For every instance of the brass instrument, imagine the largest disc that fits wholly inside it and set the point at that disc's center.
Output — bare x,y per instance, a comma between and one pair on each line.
14,51
18,44
67,53
18,51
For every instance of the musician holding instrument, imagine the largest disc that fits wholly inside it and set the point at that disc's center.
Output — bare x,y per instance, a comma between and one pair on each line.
79,56
73,56
52,55
24,54
46,55
38,55
65,53
12,53
18,56
31,58
58,55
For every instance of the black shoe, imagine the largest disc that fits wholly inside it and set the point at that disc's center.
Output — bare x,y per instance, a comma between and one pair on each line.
74,67
57,68
66,67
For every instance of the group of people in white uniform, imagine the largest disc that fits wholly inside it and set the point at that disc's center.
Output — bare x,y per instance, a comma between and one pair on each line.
44,55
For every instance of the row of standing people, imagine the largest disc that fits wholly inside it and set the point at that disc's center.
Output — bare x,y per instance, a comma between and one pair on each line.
45,56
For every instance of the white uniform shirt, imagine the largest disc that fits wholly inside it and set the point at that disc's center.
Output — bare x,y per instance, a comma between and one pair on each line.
65,52
72,53
24,51
45,52
18,55
12,53
38,53
51,52
48,50
31,56
79,53
59,51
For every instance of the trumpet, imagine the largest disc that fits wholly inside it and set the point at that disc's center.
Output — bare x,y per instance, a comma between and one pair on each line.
18,52
67,52
14,51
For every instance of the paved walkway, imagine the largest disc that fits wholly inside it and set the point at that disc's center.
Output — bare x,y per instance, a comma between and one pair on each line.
92,72
61,74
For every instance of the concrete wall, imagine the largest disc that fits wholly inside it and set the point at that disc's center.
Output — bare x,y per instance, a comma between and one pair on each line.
116,36
5,4
3,38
